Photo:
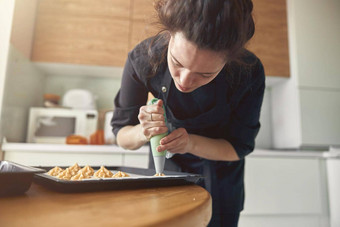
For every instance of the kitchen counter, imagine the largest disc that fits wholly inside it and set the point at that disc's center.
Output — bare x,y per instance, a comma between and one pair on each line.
33,154
290,153
188,205
114,149
48,148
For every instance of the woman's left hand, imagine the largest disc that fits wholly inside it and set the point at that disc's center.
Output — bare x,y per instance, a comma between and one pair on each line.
178,141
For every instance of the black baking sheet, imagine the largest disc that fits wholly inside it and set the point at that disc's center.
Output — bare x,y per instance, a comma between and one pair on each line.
15,178
140,178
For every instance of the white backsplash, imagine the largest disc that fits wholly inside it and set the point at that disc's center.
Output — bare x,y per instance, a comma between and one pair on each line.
104,89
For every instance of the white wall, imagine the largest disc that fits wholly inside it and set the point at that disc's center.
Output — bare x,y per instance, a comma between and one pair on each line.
6,14
23,25
23,88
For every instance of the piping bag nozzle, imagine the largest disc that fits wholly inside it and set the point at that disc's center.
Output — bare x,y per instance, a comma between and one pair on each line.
158,157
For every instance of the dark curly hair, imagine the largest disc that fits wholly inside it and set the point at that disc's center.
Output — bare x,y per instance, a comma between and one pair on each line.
218,25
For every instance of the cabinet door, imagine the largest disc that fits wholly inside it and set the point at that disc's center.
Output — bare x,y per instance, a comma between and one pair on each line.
270,42
143,21
136,160
283,186
285,191
320,121
82,32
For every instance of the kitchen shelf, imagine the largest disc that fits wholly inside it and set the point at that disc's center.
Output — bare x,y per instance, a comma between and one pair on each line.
62,69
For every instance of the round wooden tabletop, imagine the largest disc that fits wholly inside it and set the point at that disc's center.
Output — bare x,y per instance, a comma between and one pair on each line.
187,205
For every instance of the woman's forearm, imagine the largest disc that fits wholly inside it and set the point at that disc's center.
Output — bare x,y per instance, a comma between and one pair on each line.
212,149
131,137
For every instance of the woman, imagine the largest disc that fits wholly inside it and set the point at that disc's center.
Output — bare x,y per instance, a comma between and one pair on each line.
212,89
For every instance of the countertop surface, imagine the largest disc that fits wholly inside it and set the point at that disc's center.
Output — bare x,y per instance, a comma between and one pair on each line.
294,154
65,148
144,150
187,205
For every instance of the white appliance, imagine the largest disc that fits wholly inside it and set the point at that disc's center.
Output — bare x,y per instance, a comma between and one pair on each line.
53,125
79,99
109,137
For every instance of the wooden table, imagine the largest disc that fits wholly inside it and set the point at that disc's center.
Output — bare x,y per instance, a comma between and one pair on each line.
187,205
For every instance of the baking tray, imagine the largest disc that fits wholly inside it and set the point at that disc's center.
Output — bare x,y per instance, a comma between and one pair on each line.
16,178
139,178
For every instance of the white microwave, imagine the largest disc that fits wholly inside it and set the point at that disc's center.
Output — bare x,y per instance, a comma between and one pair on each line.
53,125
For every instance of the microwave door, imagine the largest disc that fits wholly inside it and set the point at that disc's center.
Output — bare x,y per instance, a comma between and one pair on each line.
54,129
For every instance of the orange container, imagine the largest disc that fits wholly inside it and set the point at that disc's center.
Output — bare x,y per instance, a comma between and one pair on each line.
76,139
97,138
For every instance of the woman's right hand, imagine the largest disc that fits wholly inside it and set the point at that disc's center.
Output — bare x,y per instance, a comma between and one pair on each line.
152,121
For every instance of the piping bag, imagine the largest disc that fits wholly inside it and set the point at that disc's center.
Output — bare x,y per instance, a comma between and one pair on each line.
158,157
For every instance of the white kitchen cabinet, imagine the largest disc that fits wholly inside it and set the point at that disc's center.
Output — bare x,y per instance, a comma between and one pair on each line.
305,109
279,221
285,191
320,121
317,39
140,160
318,71
333,172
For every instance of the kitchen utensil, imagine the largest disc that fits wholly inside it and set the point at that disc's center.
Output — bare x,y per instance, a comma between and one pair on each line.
158,157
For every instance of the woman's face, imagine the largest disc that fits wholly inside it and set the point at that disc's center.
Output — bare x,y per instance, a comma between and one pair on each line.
191,67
